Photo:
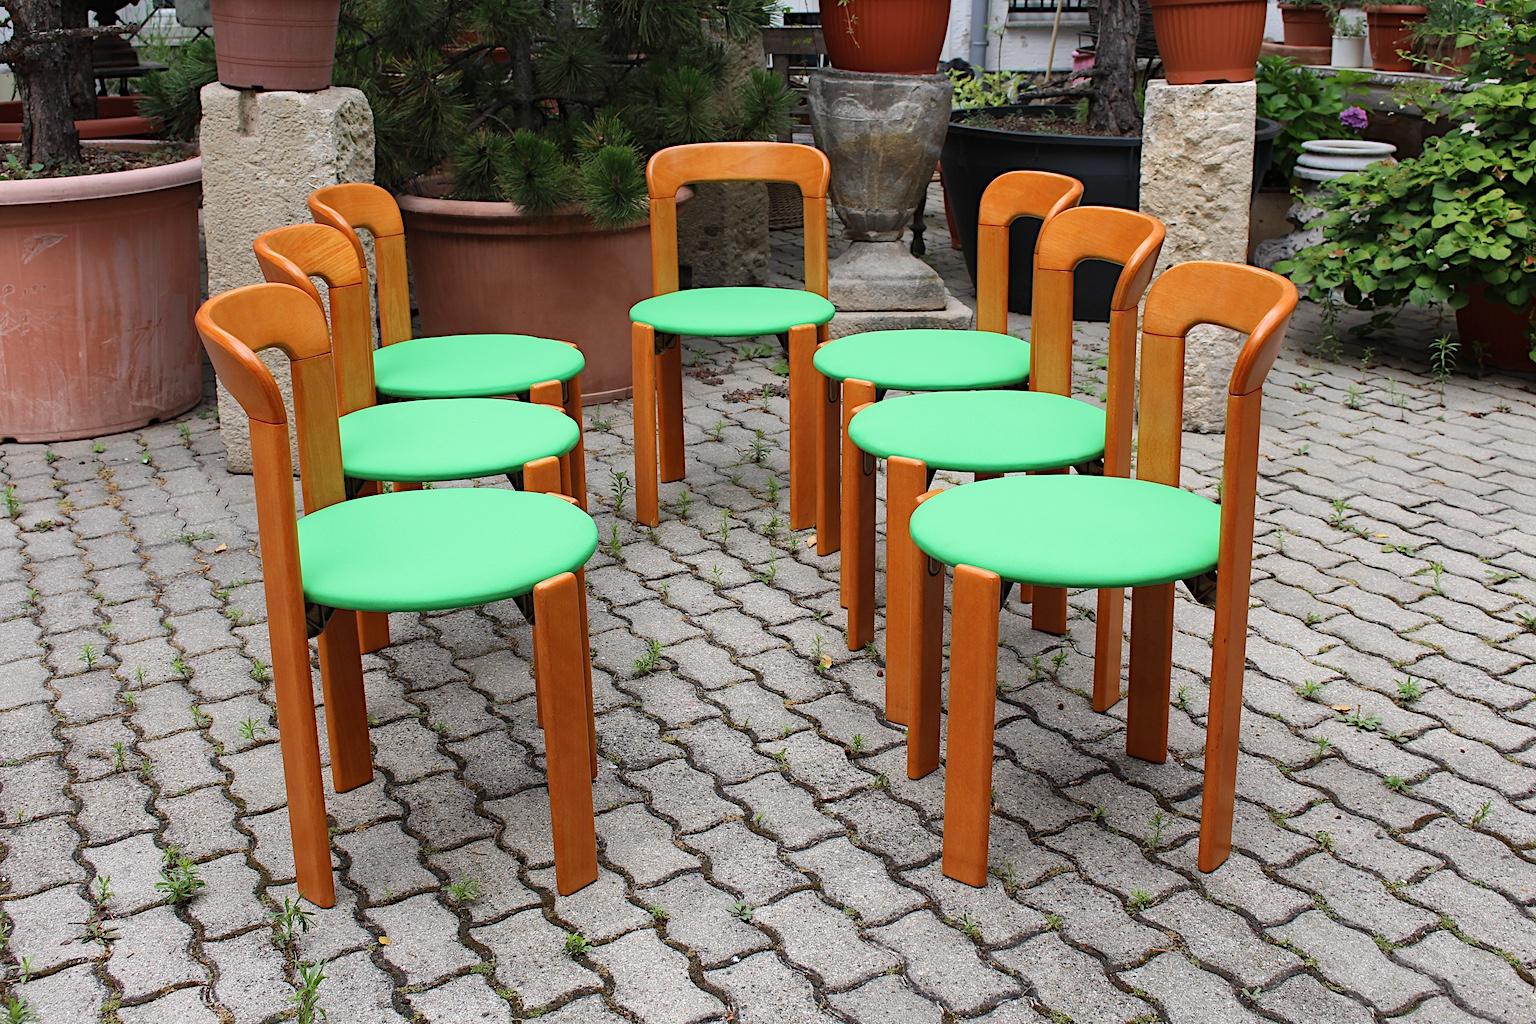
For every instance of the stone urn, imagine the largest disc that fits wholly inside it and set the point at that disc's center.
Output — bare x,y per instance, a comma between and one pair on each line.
882,134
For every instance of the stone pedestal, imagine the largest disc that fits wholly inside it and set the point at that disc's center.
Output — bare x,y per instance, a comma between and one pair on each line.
263,154
882,134
1197,178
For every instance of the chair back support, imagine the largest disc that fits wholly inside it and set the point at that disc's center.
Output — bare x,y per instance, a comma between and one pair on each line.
295,254
784,162
1040,195
358,206
1125,237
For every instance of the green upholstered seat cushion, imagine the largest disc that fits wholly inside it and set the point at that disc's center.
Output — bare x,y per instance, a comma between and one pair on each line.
982,431
451,438
472,365
1072,531
923,359
731,312
452,547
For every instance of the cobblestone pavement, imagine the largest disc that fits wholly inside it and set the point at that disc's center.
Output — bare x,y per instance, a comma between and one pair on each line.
764,856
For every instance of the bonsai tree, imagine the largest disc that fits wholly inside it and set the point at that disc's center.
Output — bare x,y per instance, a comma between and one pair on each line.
550,104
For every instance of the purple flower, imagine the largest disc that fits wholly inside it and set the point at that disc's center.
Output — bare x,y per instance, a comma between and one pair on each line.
1354,117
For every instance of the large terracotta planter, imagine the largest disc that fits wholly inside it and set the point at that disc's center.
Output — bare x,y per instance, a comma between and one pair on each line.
1390,27
490,267
101,282
1306,26
117,117
1498,333
1209,40
894,37
275,44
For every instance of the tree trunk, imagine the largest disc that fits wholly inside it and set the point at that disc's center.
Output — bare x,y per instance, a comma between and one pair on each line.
1114,108
43,73
82,86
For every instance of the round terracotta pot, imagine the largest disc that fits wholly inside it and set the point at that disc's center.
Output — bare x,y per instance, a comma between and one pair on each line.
1209,40
1496,331
275,44
490,267
1390,27
894,37
117,117
1306,26
101,282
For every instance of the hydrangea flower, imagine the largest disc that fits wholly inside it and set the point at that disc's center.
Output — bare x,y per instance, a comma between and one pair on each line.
1354,117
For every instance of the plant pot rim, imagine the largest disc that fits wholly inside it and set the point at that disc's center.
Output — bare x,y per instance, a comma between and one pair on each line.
1396,9
1319,7
1204,3
893,76
1094,140
108,185
568,220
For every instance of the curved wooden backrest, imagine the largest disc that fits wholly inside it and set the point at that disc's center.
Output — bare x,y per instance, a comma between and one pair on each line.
295,254
786,162
359,206
1037,194
1125,237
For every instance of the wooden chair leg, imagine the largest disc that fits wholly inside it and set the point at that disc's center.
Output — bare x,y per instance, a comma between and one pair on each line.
346,707
586,669
829,416
802,427
643,364
1223,722
1048,610
558,640
905,480
972,714
927,664
853,485
1146,730
1109,632
552,394
577,457
542,476
669,405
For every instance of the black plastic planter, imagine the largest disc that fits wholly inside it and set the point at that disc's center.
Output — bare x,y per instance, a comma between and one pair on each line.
1109,168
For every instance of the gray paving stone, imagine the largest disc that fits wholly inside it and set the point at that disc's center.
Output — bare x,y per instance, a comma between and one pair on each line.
357,989
1186,993
1069,981
1476,977
184,1004
1220,939
944,964
651,981
70,995
887,999
531,959
764,991
746,862
139,960
423,937
251,980
822,939
1350,959
466,999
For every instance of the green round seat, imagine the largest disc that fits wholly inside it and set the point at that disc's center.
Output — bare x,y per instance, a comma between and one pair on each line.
437,549
731,312
472,365
451,438
924,359
1072,531
982,431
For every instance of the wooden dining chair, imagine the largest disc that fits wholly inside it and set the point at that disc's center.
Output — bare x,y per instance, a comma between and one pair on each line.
860,368
421,550
1106,532
800,317
990,433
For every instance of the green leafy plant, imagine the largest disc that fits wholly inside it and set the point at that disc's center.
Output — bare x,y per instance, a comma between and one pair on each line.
1306,104
174,95
179,878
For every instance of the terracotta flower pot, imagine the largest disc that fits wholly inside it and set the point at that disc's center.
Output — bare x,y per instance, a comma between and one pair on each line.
894,37
1209,40
1390,27
1497,331
490,267
275,44
1306,26
101,284
117,117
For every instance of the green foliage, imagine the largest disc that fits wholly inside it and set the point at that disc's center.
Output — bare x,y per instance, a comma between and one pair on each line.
175,94
1306,104
990,89
545,104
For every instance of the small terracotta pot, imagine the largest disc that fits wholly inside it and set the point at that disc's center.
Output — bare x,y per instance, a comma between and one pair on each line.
1306,26
1209,40
117,117
101,284
894,37
490,267
275,44
1496,331
1390,27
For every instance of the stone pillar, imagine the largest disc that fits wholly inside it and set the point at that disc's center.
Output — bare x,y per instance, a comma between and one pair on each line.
263,154
1197,178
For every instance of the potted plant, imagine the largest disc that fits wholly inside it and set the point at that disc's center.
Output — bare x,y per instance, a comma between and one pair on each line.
1209,40
97,333
1307,106
1452,226
899,37
1391,34
515,138
1348,42
1306,22
1443,39
275,44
